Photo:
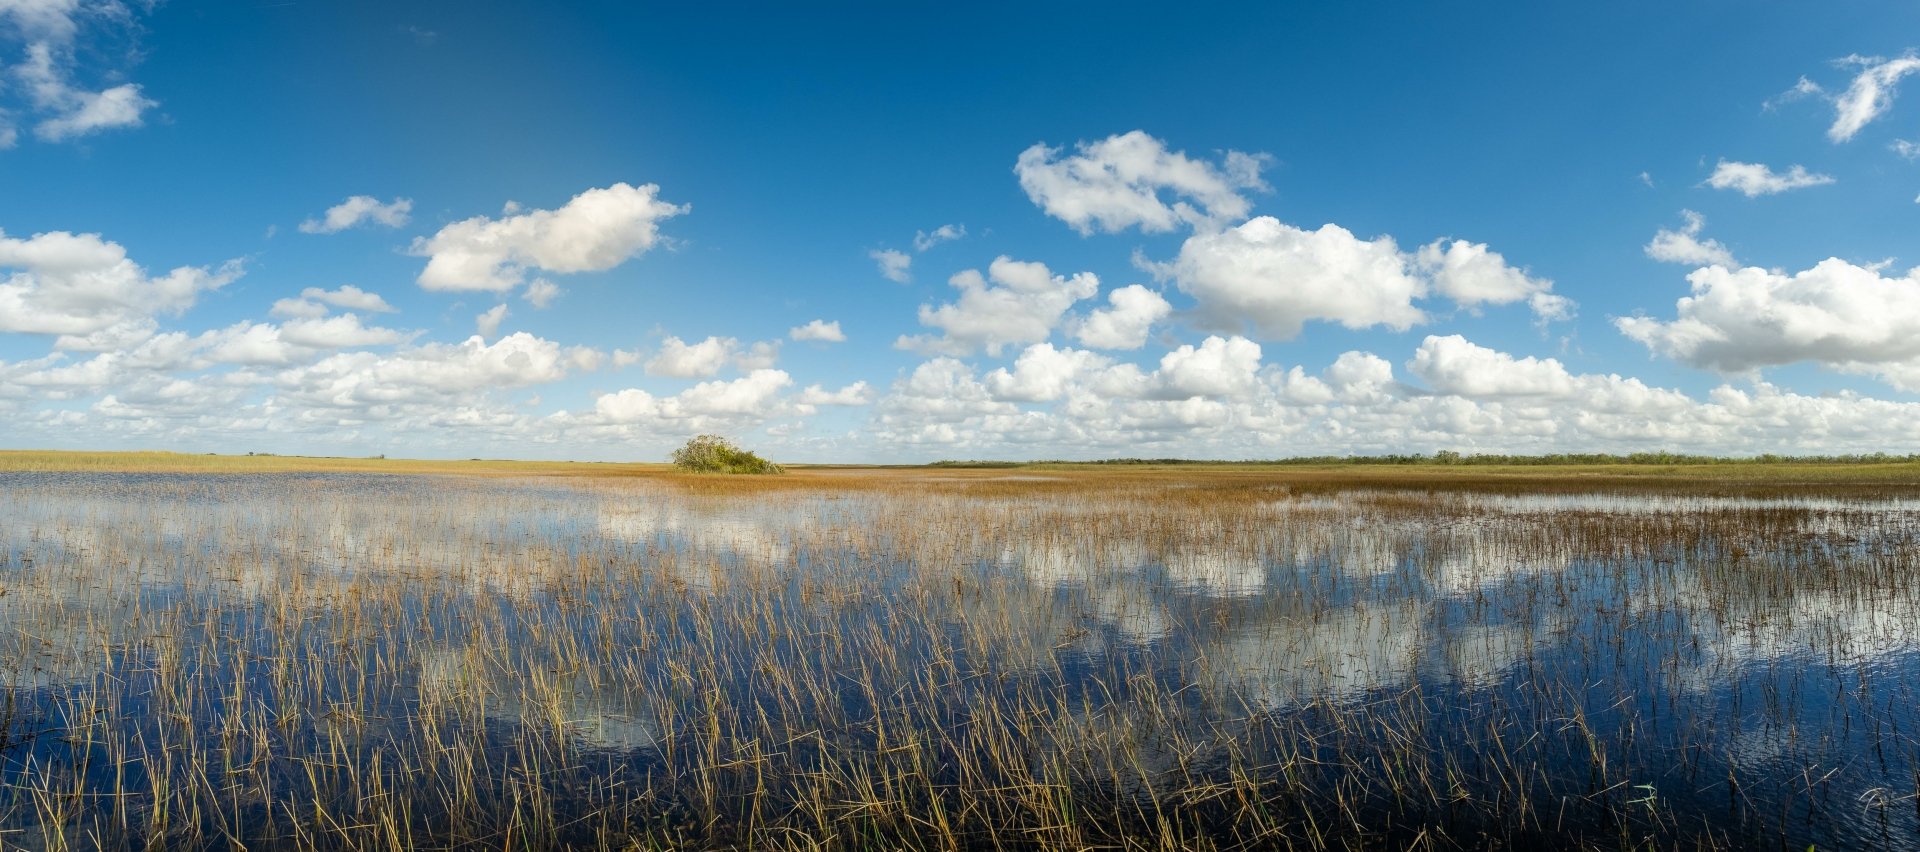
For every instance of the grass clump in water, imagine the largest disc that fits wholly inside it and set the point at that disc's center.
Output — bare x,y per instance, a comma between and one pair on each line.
715,454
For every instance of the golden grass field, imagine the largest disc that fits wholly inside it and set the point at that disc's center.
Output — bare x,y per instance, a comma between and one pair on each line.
1785,474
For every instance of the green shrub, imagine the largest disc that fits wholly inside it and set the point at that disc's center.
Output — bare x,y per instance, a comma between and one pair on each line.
714,454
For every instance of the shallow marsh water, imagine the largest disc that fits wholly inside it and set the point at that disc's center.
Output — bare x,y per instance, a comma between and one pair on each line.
946,661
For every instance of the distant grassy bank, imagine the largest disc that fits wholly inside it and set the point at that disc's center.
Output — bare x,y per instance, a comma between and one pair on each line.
1591,469
162,462
1453,459
1408,470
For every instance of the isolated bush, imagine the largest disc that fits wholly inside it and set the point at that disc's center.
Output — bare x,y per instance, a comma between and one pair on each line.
714,454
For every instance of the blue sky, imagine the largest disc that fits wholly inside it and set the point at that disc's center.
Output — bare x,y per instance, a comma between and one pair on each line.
595,230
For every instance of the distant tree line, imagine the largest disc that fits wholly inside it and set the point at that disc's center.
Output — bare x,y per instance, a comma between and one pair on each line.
1450,457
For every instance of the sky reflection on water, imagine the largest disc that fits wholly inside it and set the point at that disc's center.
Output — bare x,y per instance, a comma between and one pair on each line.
1688,640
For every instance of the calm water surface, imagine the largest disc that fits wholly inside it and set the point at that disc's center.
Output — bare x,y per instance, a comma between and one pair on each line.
259,661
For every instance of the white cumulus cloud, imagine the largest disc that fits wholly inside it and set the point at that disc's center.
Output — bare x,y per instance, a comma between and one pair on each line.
292,307
488,322
77,284
940,402
1276,277
83,113
1125,322
752,394
857,393
72,111
758,356
1024,304
1757,179
434,375
345,331
1836,314
923,240
360,210
1871,93
751,397
43,20
314,301
1218,399
1125,180
297,341
1685,245
349,297
894,265
1453,365
1472,274
1042,373
682,360
597,230
541,293
819,331
1218,367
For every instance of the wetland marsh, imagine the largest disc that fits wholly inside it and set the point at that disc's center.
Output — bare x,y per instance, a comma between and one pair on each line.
957,659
